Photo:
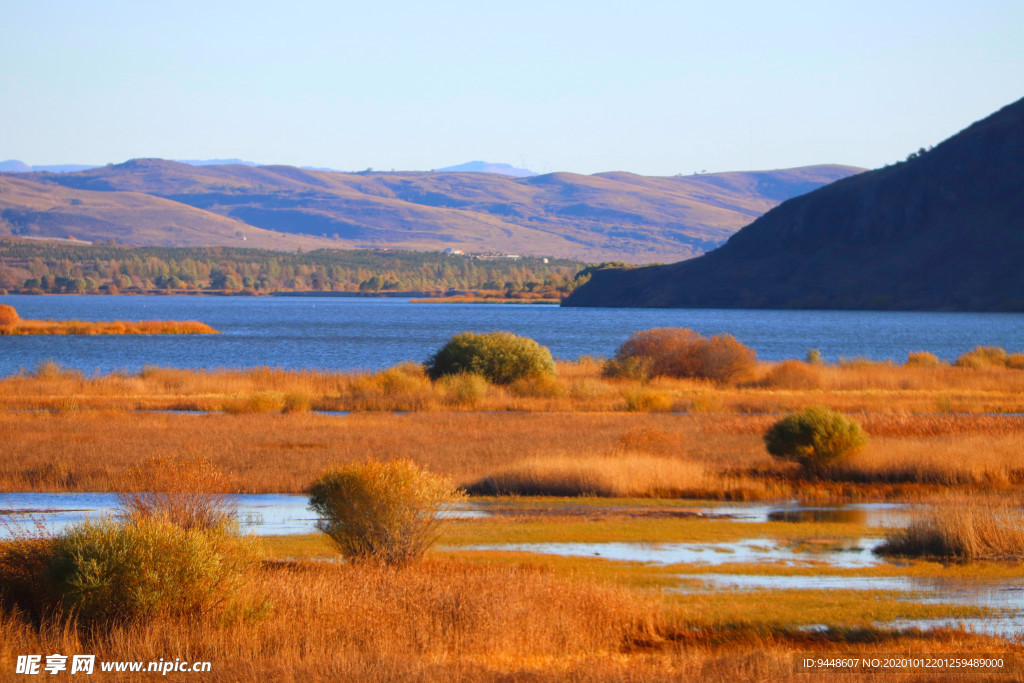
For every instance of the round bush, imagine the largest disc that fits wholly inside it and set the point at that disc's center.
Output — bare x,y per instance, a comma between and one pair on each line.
499,357
382,512
815,438
147,567
8,316
679,352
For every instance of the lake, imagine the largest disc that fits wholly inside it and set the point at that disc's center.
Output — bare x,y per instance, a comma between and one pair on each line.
349,333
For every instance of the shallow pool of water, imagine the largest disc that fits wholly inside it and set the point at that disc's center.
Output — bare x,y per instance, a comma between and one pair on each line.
877,515
857,554
263,514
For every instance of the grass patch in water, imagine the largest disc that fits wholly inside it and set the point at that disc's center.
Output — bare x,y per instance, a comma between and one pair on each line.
793,608
573,529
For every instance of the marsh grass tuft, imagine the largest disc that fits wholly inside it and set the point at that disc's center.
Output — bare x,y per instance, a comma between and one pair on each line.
464,389
620,475
966,530
190,493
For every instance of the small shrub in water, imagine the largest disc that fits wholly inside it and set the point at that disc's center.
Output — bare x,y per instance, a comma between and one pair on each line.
815,438
188,492
500,357
381,512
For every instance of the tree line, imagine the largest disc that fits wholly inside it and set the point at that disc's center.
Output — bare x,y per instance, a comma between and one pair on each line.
54,267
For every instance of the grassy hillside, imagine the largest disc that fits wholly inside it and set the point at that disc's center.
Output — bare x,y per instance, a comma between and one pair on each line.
943,230
611,216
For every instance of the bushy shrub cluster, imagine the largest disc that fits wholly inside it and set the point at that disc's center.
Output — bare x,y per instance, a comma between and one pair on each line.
383,512
990,357
815,438
679,352
170,552
499,357
8,315
110,571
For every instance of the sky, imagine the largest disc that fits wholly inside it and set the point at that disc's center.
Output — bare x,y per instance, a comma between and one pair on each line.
650,87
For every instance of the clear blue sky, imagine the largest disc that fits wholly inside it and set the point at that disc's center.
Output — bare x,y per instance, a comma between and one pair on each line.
651,87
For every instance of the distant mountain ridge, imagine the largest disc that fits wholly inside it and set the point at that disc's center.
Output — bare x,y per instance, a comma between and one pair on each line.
607,216
488,167
943,230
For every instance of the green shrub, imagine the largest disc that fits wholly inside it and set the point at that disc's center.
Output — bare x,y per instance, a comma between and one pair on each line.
147,567
815,438
8,315
678,352
500,357
381,512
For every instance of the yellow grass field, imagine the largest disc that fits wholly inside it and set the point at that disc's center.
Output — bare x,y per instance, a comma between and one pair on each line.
629,452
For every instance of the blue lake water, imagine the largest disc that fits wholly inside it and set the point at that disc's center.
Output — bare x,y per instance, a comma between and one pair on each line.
346,333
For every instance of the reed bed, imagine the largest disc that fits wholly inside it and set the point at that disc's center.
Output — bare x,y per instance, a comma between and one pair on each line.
621,475
962,530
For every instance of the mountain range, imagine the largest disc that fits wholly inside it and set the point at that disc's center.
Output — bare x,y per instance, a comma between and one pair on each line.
943,230
602,217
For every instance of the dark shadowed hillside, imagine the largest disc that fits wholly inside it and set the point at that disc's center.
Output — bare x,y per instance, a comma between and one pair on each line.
609,216
943,230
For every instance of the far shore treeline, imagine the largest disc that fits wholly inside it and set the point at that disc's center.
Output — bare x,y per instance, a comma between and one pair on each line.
31,267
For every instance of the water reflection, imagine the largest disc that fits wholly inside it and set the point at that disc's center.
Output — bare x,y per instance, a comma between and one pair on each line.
857,554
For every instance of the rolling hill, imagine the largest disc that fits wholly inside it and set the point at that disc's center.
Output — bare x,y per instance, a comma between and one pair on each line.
943,230
607,216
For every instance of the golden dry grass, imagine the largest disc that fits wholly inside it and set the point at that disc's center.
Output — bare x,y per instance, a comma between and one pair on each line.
962,529
457,620
23,327
578,387
618,475
437,619
719,456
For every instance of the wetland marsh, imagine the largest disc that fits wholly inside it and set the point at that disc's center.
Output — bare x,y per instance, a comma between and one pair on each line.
643,530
